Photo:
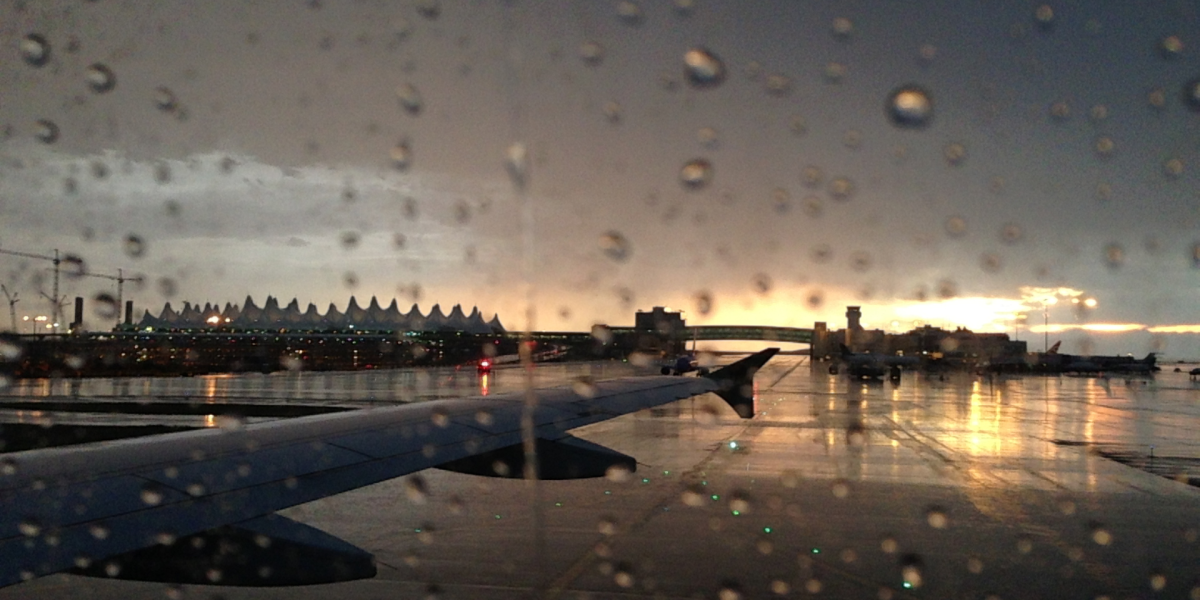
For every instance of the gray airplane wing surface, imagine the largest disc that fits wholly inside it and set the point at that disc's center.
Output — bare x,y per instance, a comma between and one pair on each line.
198,506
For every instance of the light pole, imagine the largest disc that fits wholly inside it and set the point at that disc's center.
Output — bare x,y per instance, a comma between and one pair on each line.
1046,321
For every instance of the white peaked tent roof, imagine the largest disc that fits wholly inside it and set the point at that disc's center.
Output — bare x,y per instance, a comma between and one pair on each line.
374,317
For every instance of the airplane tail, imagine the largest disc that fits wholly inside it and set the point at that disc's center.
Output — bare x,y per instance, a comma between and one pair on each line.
1054,349
736,381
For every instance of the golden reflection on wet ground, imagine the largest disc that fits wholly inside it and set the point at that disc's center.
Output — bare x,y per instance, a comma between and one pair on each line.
963,486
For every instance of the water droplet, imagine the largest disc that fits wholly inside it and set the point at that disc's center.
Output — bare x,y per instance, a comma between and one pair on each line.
167,287
195,489
615,246
955,153
401,154
910,106
739,501
612,112
1011,234
889,545
835,72
584,387
704,302
840,489
1171,47
841,188
1114,255
349,239
230,422
165,100
45,131
1173,168
852,139
134,246
1105,146
696,174
8,466
105,306
1060,111
30,527
703,68
911,575
693,495
1101,536
1044,15
100,78
602,334
927,53
778,85
410,99
516,161
780,587
708,137
415,489
629,13
812,176
956,226
1024,544
591,52
624,576
860,261
991,262
99,531
1158,581
430,9
684,8
1157,98
35,50
1191,94
798,125
936,517
607,525
1098,113
821,253
843,28
617,473
761,282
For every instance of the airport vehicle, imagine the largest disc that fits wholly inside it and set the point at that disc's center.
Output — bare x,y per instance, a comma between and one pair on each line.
683,365
869,365
170,507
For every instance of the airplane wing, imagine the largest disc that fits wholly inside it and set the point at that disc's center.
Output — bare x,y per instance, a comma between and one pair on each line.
173,507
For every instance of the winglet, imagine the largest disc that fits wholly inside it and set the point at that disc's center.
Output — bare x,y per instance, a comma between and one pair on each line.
736,381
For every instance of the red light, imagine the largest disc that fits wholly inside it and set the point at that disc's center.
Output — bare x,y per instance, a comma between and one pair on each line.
484,363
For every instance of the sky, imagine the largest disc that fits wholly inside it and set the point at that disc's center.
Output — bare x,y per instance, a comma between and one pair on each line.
251,149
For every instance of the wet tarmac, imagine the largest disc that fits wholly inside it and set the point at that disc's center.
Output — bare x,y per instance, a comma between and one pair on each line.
1021,487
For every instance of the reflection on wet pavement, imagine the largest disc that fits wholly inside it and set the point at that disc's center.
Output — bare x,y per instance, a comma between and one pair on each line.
966,487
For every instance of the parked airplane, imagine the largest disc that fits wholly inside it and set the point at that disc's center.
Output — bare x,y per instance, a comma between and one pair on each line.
170,507
1110,364
868,365
683,365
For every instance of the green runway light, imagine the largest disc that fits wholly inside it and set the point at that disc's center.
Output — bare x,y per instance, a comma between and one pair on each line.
607,493
766,530
666,472
736,513
733,445
716,497
645,480
497,516
907,585
816,550
558,503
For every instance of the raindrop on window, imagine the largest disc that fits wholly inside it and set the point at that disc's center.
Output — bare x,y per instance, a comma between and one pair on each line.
8,466
761,283
813,206
1157,98
781,200
409,207
1011,233
798,125
852,139
164,99
73,266
349,239
629,13
685,7
956,226
1101,536
889,545
937,518
841,188
166,287
430,9
615,246
704,302
780,587
1196,255
860,261
584,387
105,306
835,72
1173,168
134,246
100,78
591,52
778,85
843,28
516,161
35,50
1171,47
812,176
1060,111
696,174
927,53
707,136
955,153
1105,146
612,112
415,489
401,155
702,68
29,527
1098,113
910,107
1044,15
1114,255
45,131
990,262
1191,94
821,253
410,99
840,489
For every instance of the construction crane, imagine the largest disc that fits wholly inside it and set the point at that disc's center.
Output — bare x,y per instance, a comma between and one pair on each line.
55,301
12,304
120,279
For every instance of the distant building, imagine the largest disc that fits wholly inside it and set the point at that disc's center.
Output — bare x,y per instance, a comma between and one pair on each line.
271,317
661,330
961,344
